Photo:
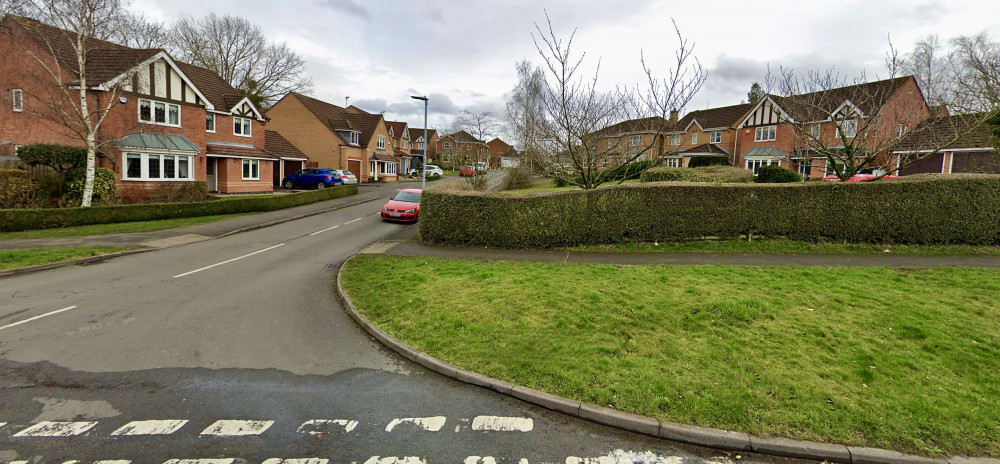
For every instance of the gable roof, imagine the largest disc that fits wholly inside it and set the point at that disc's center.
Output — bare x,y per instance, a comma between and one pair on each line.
397,128
279,146
364,123
463,137
216,90
418,132
961,131
713,118
651,124
817,106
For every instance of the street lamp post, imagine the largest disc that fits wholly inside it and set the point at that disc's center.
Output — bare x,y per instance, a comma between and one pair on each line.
423,176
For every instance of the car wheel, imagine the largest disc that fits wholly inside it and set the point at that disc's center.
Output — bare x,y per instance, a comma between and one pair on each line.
321,185
289,184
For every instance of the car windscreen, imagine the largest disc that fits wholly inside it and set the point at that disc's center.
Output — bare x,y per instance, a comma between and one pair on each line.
407,196
348,173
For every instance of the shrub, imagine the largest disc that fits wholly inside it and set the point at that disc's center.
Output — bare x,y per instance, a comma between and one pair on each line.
709,160
180,192
16,188
29,219
957,209
517,178
717,174
433,177
629,171
774,174
59,157
478,183
105,183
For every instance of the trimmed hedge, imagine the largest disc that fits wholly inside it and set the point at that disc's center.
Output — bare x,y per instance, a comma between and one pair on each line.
708,160
957,209
726,173
774,174
12,220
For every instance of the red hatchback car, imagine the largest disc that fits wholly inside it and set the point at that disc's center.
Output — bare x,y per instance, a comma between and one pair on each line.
467,171
864,175
404,206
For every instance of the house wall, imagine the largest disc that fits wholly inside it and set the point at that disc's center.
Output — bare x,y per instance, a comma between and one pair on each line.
230,176
380,130
295,122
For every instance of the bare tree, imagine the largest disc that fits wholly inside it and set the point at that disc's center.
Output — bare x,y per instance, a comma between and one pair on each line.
479,125
525,120
78,103
238,50
578,113
975,65
928,64
133,29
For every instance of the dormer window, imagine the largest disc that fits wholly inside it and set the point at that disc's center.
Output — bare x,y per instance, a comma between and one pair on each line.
241,126
355,138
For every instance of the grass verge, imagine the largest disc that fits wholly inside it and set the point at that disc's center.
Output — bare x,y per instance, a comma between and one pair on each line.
120,228
789,247
903,359
14,259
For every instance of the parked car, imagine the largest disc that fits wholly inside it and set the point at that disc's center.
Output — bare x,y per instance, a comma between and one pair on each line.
467,171
313,177
863,175
481,166
347,176
404,206
432,170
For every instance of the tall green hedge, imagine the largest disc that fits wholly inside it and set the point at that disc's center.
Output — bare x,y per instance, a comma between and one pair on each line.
959,209
708,160
12,220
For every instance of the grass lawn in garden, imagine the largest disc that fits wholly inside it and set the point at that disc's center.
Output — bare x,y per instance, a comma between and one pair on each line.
449,173
905,359
789,246
121,228
13,259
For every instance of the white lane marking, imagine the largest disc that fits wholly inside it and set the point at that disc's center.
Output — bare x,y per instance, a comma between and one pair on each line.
18,462
297,461
353,220
324,230
318,426
228,261
117,461
430,424
480,460
150,427
37,317
627,457
56,429
237,428
395,460
201,461
1,426
502,424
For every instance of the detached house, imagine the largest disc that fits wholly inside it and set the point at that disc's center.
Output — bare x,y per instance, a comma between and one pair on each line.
419,145
502,154
461,147
946,145
168,121
334,137
400,136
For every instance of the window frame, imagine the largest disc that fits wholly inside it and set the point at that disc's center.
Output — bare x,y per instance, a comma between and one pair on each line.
715,137
152,112
144,159
254,165
17,100
674,162
900,130
753,164
635,141
446,145
675,140
248,126
766,133
694,138
848,123
380,143
208,117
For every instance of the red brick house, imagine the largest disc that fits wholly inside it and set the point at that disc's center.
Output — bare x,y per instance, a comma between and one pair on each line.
786,131
949,145
170,121
499,150
461,148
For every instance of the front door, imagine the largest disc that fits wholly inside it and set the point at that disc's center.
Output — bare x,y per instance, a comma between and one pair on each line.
210,178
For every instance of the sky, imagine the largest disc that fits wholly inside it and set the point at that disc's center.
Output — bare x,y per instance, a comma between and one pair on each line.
461,54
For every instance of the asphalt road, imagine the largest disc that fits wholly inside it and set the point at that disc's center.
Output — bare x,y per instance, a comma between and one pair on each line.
235,349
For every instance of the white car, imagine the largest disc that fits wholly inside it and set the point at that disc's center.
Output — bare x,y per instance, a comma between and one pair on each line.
432,170
348,176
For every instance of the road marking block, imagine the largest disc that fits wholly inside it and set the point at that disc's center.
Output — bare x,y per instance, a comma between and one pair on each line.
318,426
225,262
324,230
1,426
296,461
395,460
502,424
627,457
56,429
430,424
237,428
353,220
480,460
15,324
150,427
118,461
201,461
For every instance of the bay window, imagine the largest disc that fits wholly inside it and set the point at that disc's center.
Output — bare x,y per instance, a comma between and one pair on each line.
157,167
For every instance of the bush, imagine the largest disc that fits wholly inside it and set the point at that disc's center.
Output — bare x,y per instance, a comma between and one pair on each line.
774,174
629,171
433,177
957,209
180,192
709,160
59,157
517,178
29,219
105,183
16,188
717,174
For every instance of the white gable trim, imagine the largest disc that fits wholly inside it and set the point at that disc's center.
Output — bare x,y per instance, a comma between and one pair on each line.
260,117
693,121
165,57
767,98
852,106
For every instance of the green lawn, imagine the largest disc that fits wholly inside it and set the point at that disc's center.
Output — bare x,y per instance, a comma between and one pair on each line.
122,228
789,246
13,259
905,359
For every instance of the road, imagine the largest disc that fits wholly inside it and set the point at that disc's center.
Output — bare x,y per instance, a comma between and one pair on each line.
236,350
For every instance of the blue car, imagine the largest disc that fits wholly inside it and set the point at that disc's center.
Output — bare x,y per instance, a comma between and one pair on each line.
319,178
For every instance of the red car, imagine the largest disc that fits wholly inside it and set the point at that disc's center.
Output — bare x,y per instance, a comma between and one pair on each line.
863,175
467,171
404,206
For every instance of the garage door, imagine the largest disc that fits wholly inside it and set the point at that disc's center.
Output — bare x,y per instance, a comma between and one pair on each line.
987,162
355,167
928,165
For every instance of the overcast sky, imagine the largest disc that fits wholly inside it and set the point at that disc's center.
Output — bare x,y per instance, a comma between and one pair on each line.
462,53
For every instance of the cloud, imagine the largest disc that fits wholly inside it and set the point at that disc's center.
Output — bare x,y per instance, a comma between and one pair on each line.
349,7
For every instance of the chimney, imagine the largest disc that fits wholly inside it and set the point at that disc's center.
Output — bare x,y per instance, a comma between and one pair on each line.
673,116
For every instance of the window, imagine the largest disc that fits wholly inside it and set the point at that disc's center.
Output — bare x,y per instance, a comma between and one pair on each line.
388,168
715,137
447,145
155,112
157,167
241,127
674,162
635,141
17,97
694,138
611,143
675,139
381,143
849,128
753,165
765,134
420,145
251,169
900,130
209,122
468,147
404,144
814,131
355,138
804,167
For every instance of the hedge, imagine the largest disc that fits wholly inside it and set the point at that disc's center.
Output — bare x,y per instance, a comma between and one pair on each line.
702,174
12,220
957,209
708,160
774,174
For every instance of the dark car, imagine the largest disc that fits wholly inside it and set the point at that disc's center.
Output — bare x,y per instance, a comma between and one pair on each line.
404,206
319,178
